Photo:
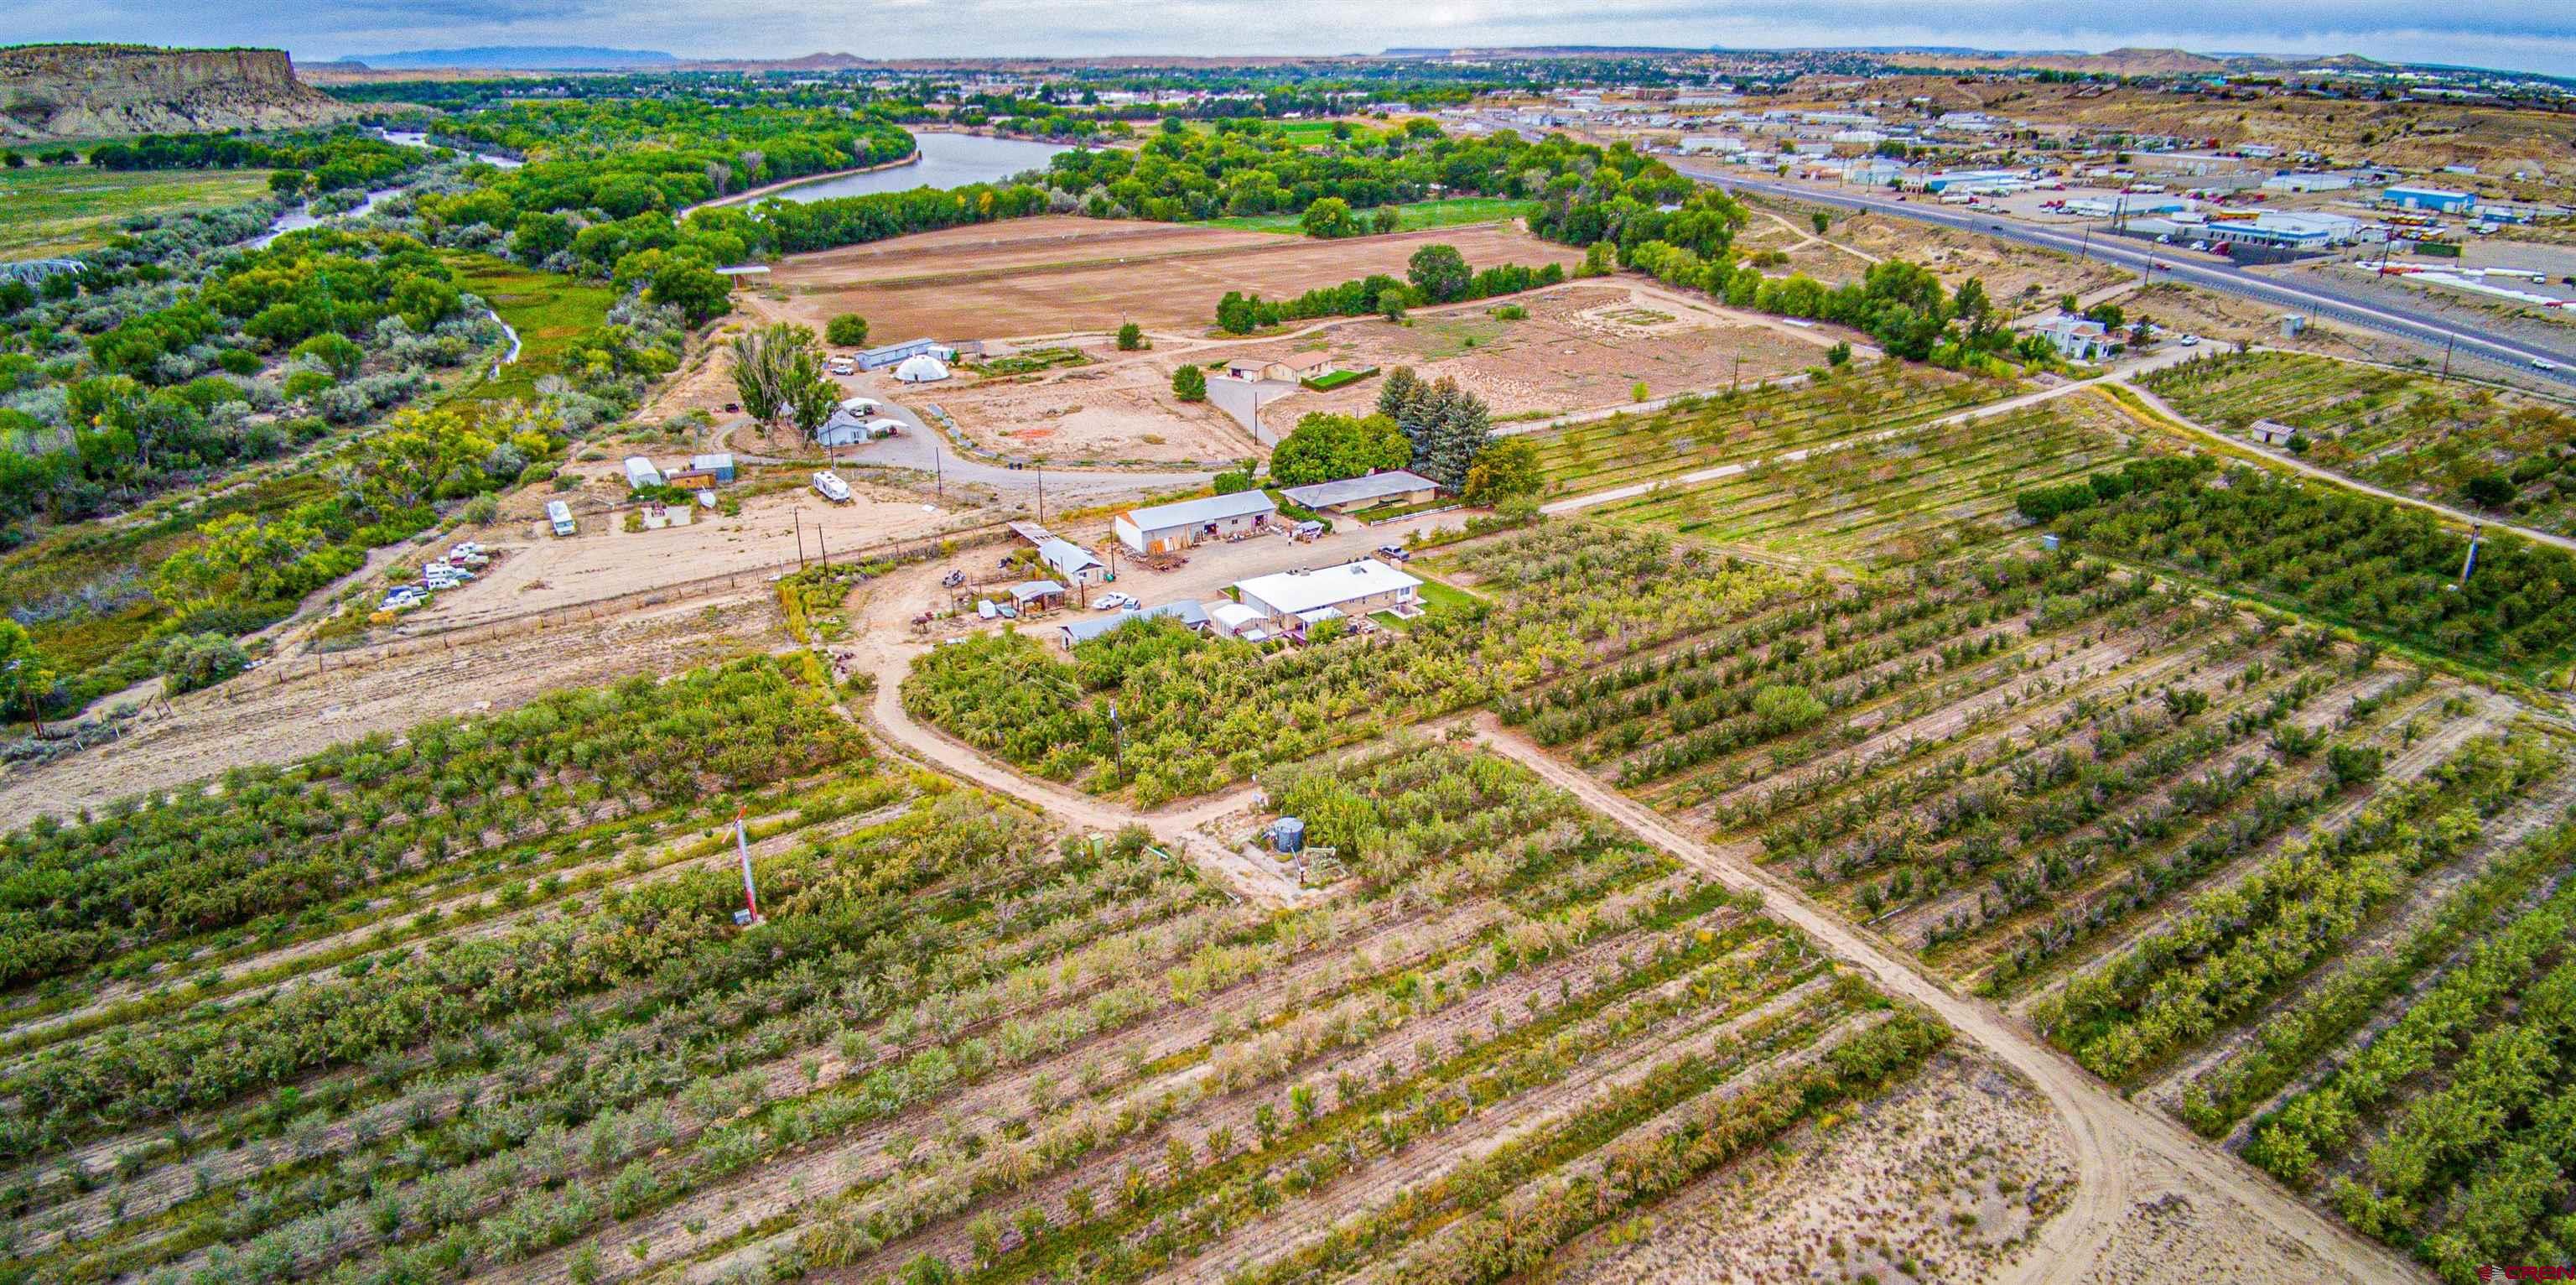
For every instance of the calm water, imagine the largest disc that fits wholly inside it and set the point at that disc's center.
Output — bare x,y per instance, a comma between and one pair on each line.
947,160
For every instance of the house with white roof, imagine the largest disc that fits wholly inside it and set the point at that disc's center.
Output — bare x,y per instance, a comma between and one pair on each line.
1070,561
1391,486
1290,602
1168,528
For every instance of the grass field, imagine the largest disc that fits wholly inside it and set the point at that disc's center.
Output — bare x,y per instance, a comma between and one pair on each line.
46,211
547,310
1419,215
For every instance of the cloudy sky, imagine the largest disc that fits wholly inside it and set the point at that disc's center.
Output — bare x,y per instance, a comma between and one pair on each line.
2530,35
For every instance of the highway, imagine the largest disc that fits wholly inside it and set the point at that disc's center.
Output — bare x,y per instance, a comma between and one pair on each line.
2158,263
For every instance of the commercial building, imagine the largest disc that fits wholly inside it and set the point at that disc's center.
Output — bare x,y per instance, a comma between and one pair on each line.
2288,229
2438,200
1167,528
1291,602
1393,486
2306,182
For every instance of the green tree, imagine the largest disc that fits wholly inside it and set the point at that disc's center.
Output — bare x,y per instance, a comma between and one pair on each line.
540,235
192,661
847,330
1440,273
25,677
1329,217
1189,383
335,352
1506,468
700,292
1599,260
1385,219
1820,220
1326,448
771,365
811,401
1131,337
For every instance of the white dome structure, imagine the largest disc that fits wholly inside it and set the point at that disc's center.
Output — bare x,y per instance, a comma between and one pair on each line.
921,368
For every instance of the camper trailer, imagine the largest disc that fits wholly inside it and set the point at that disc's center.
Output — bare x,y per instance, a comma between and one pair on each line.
831,487
560,514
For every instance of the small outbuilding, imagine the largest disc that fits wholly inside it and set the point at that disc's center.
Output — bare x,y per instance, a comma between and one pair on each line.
1069,560
640,473
1037,595
921,368
1235,620
1186,610
704,470
2271,432
1166,528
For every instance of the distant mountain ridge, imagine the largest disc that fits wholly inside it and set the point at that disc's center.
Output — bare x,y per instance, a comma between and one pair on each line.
518,58
90,91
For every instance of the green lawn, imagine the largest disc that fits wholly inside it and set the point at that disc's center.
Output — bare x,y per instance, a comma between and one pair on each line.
51,210
547,310
1433,595
1420,214
1304,133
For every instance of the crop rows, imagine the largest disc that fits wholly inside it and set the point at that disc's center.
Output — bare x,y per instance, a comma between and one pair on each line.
2404,431
1732,428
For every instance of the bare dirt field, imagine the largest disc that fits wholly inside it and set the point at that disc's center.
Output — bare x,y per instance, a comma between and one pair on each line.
1944,1179
298,706
1582,346
1118,409
1055,275
540,572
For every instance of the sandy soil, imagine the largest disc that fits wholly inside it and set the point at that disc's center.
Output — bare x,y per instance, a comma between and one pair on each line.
1057,275
540,572
297,707
1951,1172
1120,409
1582,346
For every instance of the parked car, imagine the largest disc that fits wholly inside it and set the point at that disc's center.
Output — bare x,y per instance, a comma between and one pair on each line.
1394,552
2190,341
1114,602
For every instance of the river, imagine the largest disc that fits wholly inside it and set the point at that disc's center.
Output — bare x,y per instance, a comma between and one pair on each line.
947,160
300,218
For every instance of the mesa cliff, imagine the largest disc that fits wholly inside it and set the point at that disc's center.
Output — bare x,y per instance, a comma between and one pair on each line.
89,91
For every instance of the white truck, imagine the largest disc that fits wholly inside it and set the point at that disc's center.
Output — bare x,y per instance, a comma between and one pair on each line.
830,485
560,514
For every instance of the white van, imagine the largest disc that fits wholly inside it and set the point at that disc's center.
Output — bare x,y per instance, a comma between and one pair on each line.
560,514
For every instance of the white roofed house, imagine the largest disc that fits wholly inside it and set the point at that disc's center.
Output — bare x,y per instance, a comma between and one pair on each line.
1168,528
1071,562
1291,602
1393,486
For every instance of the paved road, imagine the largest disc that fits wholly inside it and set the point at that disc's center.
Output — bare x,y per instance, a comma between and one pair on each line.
2308,297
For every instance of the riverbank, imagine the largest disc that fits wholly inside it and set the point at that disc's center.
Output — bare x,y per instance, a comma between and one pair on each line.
768,189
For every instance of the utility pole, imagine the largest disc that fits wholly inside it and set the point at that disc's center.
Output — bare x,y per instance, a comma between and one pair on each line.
822,554
799,516
938,475
1041,496
2448,342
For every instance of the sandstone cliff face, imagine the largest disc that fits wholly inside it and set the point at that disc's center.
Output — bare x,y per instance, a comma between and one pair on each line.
84,91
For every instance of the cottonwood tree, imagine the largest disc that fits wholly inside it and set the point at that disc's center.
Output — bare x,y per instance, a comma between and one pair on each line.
771,366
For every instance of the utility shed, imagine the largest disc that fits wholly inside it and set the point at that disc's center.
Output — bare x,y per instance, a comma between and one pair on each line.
1352,589
1036,593
640,473
1394,486
1164,528
2271,432
1187,611
1069,560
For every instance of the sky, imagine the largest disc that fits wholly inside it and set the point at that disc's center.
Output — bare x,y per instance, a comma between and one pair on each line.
2522,35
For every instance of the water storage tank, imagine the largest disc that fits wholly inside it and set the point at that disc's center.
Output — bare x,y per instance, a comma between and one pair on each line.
1288,834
